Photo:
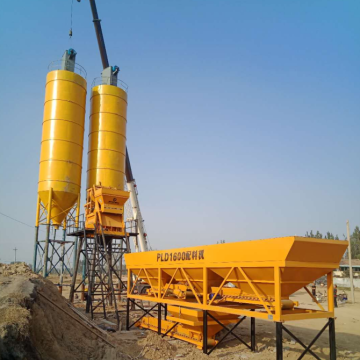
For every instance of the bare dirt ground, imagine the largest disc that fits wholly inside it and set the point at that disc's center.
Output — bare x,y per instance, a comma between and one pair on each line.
37,323
31,327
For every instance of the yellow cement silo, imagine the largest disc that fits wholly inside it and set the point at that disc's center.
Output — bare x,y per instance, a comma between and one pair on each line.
62,143
107,137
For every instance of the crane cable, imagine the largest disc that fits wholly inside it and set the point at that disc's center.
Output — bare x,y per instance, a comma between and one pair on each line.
71,16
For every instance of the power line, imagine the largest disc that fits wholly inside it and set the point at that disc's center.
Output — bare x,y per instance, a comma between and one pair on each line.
16,220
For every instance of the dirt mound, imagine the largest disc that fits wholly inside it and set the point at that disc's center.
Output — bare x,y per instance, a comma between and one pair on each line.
15,269
155,347
32,327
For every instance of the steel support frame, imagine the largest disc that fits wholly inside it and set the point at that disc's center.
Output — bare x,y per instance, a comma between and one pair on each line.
207,314
85,248
158,307
101,256
41,258
307,349
45,264
146,312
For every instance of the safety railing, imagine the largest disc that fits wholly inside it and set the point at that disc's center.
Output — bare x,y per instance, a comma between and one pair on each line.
108,81
58,65
75,225
131,226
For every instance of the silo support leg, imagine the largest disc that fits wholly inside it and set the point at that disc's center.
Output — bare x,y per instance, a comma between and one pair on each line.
46,251
279,344
35,248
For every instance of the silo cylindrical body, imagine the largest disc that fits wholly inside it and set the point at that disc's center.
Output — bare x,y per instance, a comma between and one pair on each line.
62,142
107,137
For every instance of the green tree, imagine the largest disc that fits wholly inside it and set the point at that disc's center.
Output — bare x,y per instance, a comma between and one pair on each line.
355,243
318,234
329,235
354,240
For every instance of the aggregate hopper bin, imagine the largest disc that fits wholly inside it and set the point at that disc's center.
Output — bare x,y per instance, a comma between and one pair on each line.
238,277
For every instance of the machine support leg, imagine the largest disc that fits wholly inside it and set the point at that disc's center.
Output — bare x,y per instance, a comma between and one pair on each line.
159,318
279,345
165,314
35,248
127,314
205,315
252,334
332,339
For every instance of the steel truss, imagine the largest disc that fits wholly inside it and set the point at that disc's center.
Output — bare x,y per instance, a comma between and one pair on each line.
53,255
102,262
279,344
206,314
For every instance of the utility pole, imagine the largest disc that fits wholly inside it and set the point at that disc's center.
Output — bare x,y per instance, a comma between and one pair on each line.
350,267
15,253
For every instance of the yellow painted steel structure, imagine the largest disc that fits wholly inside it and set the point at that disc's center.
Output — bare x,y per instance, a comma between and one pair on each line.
190,326
104,210
107,137
250,278
61,146
106,160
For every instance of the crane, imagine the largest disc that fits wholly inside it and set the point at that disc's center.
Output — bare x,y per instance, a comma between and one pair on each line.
112,72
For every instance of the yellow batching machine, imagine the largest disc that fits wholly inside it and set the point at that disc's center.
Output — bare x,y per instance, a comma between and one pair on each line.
60,162
204,288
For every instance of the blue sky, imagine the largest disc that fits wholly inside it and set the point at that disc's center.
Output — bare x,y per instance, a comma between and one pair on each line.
243,116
